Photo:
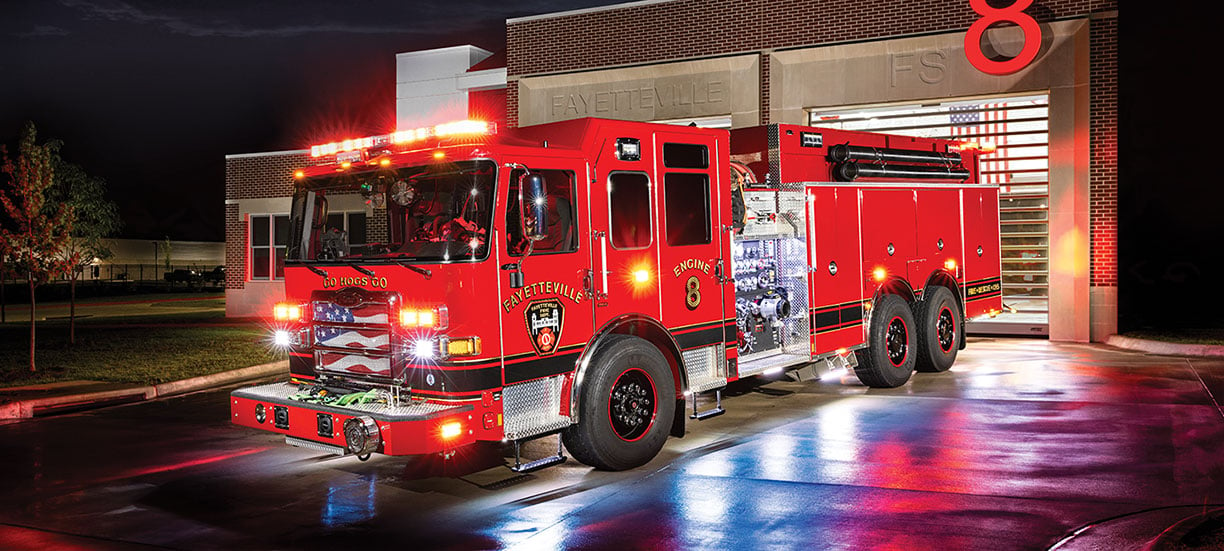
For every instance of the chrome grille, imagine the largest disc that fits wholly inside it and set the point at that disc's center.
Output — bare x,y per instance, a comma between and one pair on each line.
330,336
352,331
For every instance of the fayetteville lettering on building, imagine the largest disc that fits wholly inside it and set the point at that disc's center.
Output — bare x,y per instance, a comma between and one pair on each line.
642,97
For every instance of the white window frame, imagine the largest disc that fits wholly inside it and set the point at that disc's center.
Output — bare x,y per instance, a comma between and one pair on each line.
272,247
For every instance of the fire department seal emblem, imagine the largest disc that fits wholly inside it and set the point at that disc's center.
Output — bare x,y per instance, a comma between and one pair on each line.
545,319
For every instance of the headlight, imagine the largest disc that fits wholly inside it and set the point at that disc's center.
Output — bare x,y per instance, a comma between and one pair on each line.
361,435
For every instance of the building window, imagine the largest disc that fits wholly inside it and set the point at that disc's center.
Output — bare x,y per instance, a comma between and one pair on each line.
629,199
686,205
353,224
269,235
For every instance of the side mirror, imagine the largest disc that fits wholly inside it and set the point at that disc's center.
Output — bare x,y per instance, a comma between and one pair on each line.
533,204
320,212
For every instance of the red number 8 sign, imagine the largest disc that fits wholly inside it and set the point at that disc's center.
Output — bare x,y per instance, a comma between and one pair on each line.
1013,14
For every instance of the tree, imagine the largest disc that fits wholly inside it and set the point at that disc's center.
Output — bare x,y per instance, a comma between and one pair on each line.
94,218
39,230
166,247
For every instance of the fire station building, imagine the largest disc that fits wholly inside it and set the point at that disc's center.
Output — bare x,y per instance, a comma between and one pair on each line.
1043,92
901,67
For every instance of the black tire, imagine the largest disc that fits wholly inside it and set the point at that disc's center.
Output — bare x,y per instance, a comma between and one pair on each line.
888,360
628,402
939,330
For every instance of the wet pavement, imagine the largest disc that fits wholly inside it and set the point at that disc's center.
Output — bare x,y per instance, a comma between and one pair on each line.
1022,444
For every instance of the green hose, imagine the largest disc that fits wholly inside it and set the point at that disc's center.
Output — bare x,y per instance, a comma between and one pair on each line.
314,396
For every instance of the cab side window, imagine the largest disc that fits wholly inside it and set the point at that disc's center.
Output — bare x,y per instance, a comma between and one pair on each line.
562,219
686,194
686,199
629,199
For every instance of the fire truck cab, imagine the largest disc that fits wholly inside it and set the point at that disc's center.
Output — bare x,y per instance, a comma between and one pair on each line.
589,278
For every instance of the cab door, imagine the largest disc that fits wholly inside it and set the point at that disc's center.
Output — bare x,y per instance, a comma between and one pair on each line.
547,320
692,252
624,240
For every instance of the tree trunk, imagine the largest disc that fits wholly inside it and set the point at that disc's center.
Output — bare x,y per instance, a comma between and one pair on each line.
72,309
3,302
31,282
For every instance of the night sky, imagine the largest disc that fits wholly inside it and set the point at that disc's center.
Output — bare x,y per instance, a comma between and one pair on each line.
151,96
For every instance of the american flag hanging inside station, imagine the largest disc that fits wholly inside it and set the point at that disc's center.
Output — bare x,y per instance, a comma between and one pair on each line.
985,123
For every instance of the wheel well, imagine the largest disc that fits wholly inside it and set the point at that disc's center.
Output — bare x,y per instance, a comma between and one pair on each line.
891,286
942,278
895,286
637,326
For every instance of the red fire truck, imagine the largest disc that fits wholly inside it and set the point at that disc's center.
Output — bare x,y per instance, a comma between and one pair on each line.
605,280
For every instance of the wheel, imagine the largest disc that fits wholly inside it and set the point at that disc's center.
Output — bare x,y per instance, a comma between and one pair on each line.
888,360
939,325
628,401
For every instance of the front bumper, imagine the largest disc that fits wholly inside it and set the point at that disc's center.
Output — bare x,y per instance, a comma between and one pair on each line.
408,429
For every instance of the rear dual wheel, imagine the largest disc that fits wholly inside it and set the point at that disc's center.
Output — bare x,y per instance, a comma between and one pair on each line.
628,403
888,361
939,330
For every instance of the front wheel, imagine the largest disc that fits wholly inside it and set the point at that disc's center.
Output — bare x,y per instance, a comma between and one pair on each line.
888,360
628,402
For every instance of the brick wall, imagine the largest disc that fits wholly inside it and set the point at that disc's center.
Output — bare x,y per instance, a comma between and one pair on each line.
1103,174
704,28
235,248
253,177
265,176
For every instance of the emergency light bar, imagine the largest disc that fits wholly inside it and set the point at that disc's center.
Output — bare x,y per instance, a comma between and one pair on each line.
399,137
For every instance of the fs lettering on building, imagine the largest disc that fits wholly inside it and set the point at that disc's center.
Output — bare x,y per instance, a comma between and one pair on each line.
600,278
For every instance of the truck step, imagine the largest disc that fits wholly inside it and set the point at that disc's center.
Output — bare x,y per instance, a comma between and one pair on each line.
538,464
520,467
712,412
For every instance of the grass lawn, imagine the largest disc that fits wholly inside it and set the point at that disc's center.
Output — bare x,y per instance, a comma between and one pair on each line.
145,349
1214,335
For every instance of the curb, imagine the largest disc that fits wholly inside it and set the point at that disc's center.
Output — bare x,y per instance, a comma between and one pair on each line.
1169,348
25,409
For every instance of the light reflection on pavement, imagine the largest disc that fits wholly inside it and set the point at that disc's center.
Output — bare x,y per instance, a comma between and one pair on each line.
1017,446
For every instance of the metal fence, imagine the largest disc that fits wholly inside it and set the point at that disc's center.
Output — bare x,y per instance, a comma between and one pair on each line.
144,273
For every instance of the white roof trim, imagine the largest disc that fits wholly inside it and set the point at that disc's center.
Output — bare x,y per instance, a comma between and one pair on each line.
585,10
478,80
464,48
267,154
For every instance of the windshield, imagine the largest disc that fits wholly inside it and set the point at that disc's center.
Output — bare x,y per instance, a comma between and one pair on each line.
434,213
